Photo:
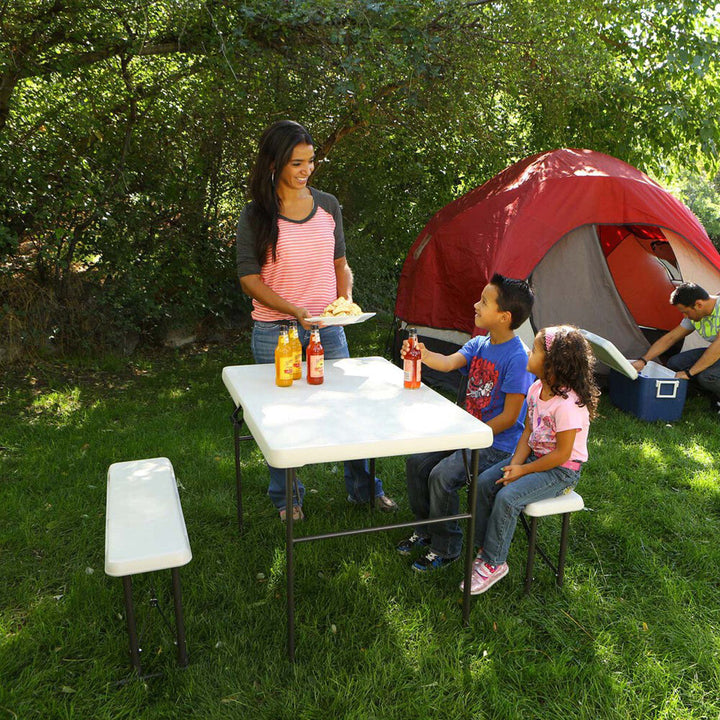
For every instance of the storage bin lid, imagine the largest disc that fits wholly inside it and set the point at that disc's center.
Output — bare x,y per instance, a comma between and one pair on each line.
607,353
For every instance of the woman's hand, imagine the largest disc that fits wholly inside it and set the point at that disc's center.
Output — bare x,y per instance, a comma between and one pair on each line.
301,314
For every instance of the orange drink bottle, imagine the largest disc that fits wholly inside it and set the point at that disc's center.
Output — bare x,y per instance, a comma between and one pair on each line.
412,363
315,358
296,347
283,360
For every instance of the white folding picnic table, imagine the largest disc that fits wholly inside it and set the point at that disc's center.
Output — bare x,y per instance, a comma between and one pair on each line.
361,411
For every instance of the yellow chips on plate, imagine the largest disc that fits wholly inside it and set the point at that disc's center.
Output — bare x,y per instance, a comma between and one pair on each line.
341,306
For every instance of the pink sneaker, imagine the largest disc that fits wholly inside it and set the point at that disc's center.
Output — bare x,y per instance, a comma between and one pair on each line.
484,575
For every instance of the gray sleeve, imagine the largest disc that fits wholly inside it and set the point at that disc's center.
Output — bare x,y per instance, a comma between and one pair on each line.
330,204
247,262
687,323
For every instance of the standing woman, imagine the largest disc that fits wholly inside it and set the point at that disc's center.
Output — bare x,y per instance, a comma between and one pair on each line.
291,262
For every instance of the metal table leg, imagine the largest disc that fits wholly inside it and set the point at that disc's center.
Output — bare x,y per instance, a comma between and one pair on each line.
238,422
290,480
470,539
238,476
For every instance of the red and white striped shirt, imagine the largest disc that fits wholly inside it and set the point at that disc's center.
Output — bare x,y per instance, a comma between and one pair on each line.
303,271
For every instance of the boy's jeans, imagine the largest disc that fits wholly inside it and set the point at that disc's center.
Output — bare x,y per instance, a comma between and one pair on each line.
499,506
357,475
433,482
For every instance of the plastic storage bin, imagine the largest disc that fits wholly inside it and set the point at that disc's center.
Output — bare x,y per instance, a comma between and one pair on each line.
652,394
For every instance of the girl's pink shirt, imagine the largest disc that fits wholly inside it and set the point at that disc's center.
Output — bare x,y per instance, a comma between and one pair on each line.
549,417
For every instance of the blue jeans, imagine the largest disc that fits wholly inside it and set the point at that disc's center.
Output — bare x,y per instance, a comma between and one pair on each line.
357,473
708,379
433,482
499,506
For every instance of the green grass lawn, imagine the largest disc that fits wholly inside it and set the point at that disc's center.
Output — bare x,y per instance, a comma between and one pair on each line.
634,632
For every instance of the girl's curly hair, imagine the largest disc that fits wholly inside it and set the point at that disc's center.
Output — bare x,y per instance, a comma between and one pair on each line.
570,365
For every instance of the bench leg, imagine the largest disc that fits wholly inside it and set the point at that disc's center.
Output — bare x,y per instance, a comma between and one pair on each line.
564,533
179,621
532,540
131,627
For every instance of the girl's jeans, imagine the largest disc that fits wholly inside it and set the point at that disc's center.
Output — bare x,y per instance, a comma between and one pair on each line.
357,475
500,505
433,482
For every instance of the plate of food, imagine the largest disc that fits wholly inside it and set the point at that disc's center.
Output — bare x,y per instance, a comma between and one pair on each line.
339,319
341,312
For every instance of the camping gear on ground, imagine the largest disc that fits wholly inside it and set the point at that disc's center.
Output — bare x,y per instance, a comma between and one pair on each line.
654,393
603,244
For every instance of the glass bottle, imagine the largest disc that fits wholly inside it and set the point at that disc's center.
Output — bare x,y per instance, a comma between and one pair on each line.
296,347
412,362
283,360
315,358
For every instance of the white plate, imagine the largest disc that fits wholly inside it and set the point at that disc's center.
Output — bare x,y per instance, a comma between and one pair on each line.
339,319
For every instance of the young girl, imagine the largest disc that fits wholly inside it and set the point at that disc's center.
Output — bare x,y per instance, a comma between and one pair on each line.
550,452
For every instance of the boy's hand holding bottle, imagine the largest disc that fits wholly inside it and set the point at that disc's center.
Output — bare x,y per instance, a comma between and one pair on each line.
412,360
406,346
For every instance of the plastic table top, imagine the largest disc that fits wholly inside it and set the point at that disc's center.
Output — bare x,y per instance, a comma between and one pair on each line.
361,410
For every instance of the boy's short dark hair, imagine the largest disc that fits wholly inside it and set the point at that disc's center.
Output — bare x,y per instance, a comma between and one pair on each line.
688,294
515,297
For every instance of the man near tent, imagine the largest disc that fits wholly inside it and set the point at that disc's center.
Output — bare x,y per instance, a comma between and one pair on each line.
702,315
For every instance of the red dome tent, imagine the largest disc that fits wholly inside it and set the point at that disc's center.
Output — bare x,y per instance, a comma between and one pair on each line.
603,244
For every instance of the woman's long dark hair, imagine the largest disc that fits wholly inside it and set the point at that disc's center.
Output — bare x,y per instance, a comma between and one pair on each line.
274,153
570,365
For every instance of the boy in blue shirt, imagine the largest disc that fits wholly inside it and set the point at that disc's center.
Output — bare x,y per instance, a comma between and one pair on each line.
496,366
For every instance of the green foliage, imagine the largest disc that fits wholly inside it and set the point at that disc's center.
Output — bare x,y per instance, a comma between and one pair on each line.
127,133
702,195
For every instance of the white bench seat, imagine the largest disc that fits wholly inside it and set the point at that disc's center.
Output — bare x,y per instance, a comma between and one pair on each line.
144,527
562,505
144,532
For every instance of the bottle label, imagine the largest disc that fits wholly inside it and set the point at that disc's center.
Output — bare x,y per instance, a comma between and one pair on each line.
316,366
412,370
285,367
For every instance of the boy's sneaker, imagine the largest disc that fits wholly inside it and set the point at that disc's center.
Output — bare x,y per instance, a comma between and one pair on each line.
414,541
432,561
484,575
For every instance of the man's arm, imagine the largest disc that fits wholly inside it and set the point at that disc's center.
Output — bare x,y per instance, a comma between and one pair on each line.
661,345
708,358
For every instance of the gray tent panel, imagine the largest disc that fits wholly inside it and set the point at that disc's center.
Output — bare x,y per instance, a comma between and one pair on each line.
573,284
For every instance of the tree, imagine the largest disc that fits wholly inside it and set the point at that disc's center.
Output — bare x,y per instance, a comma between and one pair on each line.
128,129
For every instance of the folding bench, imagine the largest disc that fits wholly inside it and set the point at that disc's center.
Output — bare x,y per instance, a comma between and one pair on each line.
144,532
560,505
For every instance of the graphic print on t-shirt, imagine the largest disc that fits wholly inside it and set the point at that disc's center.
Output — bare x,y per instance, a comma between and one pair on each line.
482,381
543,437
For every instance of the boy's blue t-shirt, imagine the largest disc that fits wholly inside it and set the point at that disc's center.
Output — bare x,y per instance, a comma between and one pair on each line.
494,371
